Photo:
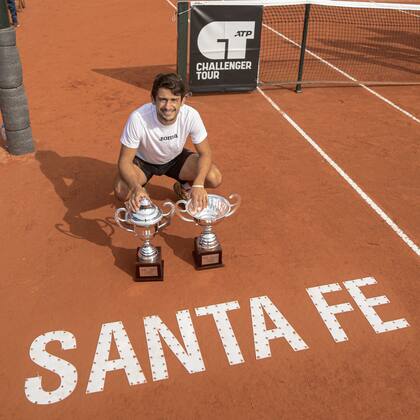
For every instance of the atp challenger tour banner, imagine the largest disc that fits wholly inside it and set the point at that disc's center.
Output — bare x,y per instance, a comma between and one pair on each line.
224,47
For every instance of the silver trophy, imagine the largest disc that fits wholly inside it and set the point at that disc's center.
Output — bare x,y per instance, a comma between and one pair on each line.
146,223
207,249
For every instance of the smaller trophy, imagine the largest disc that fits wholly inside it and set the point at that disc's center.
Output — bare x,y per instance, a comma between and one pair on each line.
146,224
207,249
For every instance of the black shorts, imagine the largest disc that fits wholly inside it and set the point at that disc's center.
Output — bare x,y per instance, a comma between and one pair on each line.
171,168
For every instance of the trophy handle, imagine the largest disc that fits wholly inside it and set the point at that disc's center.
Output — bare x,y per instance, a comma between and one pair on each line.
179,210
121,220
234,206
168,215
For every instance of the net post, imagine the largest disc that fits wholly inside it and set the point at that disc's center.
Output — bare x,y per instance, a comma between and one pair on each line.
303,47
182,40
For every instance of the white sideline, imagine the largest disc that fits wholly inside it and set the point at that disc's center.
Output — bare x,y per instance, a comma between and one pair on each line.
171,4
341,172
346,177
327,63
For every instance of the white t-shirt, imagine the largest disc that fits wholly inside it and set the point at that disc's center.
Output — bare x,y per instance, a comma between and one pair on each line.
158,143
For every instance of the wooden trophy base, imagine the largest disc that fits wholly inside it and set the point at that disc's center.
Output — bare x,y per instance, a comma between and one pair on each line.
204,258
149,271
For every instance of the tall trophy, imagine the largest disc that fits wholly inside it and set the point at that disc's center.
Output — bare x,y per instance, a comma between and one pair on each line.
207,249
146,223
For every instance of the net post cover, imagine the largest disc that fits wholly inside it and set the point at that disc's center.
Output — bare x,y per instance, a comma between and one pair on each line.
224,48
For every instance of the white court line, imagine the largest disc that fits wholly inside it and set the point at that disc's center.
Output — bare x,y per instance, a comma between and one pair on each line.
379,96
382,98
402,11
171,4
343,174
346,177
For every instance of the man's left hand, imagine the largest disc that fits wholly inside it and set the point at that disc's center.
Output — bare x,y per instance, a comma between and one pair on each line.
199,198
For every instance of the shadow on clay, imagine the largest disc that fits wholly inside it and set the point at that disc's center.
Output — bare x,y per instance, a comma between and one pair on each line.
182,247
141,77
85,184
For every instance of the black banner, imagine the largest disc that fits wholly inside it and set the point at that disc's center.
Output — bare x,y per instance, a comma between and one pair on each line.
224,48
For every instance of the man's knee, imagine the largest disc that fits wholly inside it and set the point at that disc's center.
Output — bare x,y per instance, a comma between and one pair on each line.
214,177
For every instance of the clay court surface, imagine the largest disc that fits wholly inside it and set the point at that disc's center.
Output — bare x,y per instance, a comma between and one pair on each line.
66,266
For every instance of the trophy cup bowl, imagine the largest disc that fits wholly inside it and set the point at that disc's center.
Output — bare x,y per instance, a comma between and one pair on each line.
207,249
146,223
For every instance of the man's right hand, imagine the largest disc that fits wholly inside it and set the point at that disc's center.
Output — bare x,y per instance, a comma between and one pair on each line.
133,203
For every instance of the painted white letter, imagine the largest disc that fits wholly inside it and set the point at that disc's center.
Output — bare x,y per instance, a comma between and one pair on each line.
327,312
230,344
65,370
101,364
366,306
190,359
262,336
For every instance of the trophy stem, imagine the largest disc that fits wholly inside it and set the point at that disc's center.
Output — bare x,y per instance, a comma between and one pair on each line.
208,239
147,252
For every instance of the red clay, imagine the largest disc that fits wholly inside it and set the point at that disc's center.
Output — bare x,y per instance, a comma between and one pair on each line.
66,266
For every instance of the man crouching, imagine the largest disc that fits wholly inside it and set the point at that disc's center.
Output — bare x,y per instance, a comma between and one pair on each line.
152,143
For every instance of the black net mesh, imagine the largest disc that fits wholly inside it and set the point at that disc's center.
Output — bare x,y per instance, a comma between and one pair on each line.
343,45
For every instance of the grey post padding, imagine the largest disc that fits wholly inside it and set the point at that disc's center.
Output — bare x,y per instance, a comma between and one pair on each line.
14,108
7,37
10,68
13,102
20,142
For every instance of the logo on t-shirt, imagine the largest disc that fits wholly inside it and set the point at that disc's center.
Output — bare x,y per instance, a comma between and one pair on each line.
167,138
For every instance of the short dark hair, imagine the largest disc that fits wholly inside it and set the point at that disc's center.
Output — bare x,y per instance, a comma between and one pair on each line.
171,81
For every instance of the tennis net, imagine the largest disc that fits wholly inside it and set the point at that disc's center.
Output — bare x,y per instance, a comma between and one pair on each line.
343,42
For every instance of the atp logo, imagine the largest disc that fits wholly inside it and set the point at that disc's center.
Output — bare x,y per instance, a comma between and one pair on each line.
225,40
